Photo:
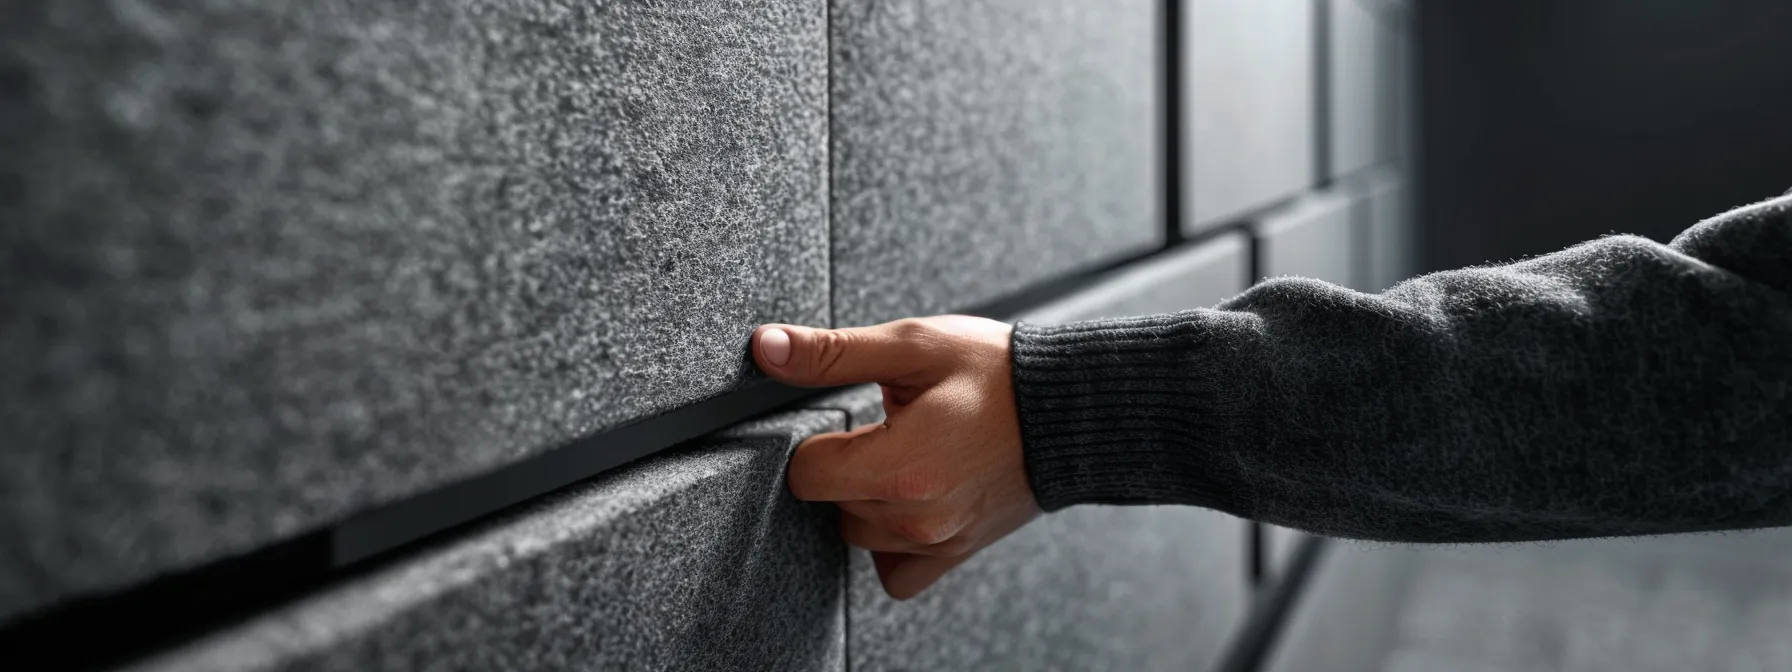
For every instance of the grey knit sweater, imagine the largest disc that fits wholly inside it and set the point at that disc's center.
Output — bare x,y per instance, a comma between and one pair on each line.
1619,387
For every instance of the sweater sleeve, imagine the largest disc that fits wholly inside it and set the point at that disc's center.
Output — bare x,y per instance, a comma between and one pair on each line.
1619,387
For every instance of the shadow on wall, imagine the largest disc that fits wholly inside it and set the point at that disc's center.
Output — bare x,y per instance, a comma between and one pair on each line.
1546,123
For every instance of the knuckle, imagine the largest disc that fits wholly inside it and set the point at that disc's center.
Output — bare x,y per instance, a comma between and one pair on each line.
916,484
910,328
924,531
829,348
956,546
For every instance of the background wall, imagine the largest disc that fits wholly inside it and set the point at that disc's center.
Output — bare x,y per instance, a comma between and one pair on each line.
1543,123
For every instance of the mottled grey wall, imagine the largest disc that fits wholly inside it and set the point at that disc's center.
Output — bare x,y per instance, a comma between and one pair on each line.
268,264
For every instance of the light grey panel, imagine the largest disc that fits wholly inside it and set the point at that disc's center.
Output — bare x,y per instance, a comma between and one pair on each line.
1199,276
982,147
272,263
1689,603
694,559
1281,543
1359,88
1123,588
1386,207
1684,602
1400,82
1249,87
1311,238
1345,619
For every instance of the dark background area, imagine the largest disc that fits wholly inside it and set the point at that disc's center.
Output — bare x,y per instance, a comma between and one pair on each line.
1544,123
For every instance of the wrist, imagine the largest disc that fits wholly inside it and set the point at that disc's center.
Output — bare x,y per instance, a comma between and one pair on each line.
1139,411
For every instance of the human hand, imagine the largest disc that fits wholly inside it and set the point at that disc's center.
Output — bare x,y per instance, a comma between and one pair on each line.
943,477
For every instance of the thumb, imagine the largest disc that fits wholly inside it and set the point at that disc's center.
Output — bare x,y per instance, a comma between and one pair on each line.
809,357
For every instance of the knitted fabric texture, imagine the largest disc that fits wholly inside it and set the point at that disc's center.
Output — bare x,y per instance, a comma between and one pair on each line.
1619,387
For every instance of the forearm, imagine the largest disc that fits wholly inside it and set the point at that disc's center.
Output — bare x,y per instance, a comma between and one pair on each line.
1620,387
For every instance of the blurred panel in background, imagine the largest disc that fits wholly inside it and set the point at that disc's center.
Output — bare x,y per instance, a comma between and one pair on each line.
1546,123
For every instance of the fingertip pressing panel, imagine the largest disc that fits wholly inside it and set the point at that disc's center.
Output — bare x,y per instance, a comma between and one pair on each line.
270,264
1087,587
696,558
1249,106
981,148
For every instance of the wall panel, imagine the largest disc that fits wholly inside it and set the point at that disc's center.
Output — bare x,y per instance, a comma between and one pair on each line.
980,148
696,558
1249,115
269,264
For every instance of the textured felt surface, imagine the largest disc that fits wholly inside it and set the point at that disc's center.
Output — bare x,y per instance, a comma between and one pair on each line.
1248,106
694,559
1124,588
269,263
1361,88
982,147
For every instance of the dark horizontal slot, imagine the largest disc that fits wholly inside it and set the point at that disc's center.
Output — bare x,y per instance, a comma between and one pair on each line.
390,527
119,626
100,631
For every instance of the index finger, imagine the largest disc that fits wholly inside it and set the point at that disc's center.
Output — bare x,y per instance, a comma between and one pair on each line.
839,467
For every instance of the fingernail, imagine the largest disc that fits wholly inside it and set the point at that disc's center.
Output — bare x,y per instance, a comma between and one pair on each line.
775,345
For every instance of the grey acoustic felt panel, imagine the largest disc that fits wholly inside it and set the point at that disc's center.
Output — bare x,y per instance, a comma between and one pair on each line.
1125,588
1361,88
982,147
269,263
1249,128
1386,209
694,559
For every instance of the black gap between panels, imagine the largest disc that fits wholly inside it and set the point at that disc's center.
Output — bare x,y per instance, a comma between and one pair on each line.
1172,122
169,609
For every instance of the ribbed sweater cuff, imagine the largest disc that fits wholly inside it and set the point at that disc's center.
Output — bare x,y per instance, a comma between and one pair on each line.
1139,411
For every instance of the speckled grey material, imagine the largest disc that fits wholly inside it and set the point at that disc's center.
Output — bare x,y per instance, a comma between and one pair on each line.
269,263
982,147
1096,588
1361,88
1248,106
1121,588
696,559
